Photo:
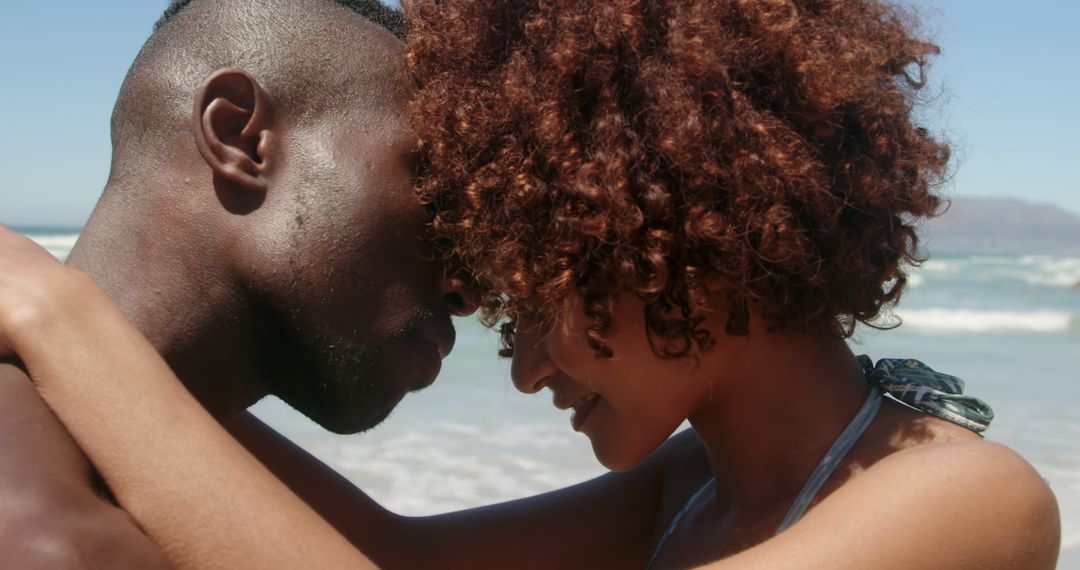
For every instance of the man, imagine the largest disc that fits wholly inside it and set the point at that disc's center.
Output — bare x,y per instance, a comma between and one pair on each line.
259,227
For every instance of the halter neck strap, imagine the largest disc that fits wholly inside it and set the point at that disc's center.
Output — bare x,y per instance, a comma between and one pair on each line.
925,389
833,457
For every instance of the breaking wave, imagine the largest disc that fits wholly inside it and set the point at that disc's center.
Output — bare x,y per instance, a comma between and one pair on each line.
979,321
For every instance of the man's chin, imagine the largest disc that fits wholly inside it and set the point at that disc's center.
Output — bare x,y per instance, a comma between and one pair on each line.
427,380
340,418
352,423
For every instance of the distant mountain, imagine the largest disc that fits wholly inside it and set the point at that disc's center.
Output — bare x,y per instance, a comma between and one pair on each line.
1002,226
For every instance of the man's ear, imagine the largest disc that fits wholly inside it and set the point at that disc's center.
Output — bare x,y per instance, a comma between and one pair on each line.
232,118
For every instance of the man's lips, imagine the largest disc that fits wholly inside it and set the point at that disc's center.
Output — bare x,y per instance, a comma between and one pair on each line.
434,338
440,332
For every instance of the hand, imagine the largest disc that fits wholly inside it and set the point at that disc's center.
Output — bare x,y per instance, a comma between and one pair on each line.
32,284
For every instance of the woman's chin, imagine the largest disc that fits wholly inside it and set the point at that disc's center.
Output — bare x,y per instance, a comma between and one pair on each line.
617,457
623,449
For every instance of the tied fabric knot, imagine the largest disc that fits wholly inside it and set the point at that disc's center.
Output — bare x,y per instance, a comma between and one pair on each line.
925,389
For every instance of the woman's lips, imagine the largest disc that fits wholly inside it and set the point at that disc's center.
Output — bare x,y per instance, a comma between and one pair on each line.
582,409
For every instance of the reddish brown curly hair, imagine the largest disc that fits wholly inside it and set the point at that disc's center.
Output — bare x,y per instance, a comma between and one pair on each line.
646,146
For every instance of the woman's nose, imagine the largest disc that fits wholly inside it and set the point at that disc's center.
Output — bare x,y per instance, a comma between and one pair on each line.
531,368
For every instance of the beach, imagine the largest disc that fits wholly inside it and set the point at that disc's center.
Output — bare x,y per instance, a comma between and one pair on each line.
1008,325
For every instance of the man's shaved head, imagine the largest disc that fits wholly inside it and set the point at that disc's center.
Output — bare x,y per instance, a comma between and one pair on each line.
387,18
309,64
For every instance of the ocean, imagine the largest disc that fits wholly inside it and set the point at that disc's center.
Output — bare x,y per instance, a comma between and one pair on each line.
1008,325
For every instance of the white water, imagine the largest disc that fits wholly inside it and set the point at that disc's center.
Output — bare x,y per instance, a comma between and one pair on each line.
941,320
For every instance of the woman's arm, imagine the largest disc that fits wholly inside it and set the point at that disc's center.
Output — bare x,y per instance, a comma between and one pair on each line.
205,500
607,522
209,503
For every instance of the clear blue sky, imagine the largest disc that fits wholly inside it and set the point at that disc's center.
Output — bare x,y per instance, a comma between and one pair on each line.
1010,74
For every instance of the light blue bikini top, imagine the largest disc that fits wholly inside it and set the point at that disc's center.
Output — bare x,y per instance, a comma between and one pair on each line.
906,380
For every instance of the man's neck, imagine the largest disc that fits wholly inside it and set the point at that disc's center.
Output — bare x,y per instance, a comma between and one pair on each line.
178,296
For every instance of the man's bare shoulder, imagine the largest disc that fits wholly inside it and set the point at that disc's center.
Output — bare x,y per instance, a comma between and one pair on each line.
28,429
36,532
51,513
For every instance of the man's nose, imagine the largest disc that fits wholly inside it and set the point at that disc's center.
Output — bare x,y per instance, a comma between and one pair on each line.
460,294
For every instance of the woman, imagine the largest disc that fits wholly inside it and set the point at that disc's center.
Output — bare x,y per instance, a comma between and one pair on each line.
678,210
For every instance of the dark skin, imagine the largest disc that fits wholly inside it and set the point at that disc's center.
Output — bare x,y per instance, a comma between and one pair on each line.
609,522
222,258
194,250
274,251
615,513
54,512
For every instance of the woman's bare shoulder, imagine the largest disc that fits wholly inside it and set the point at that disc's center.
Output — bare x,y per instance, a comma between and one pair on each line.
979,502
974,469
957,504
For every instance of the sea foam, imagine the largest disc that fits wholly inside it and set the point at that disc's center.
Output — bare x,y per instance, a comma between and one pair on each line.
59,245
968,320
1052,271
1034,270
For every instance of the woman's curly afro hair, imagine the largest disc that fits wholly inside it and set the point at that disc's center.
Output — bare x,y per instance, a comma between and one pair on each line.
648,147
